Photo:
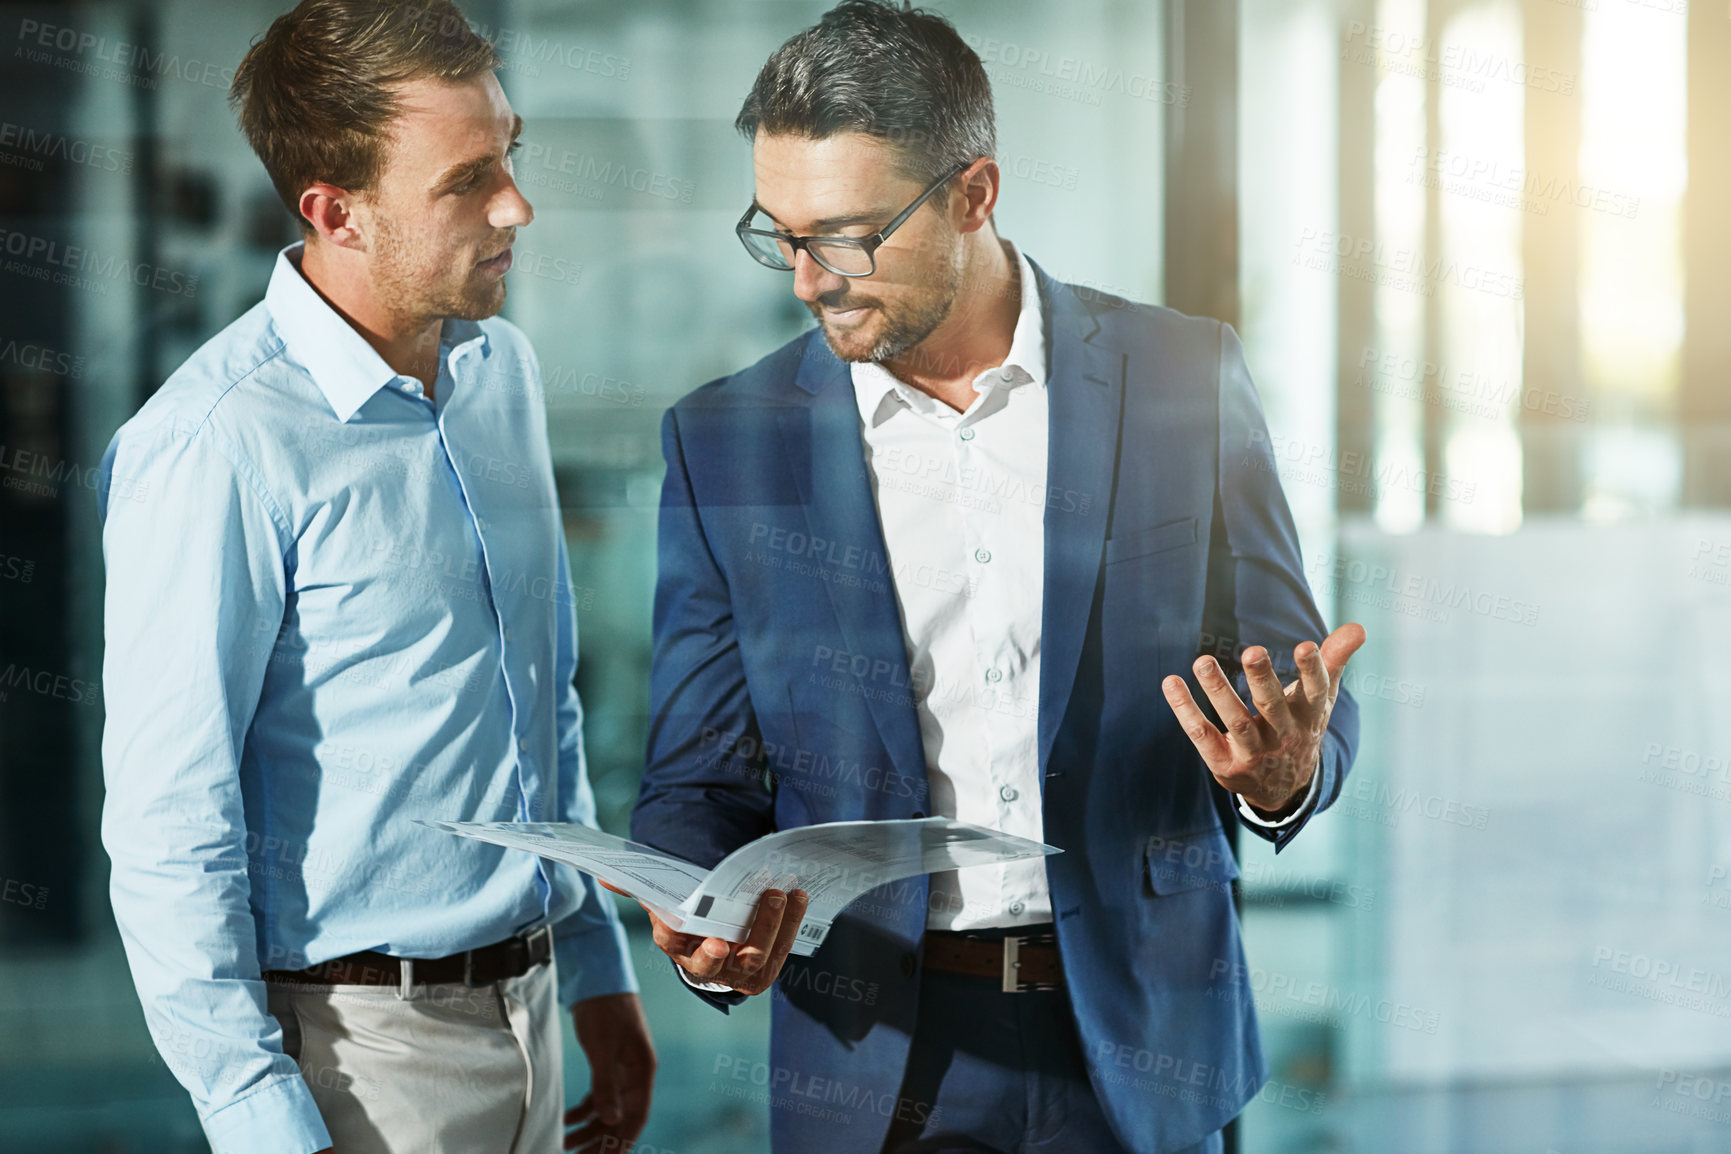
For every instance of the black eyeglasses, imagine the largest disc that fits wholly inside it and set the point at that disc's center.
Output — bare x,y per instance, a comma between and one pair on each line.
842,255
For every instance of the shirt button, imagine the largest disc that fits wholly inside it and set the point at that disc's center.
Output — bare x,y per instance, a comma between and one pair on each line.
522,746
1017,907
968,433
505,633
994,676
1008,793
982,555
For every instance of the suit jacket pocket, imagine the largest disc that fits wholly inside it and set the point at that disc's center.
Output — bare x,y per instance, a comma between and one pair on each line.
1155,539
1188,861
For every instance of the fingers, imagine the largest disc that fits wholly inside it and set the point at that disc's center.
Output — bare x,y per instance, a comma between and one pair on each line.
755,950
751,966
1210,742
597,1135
702,958
589,1138
1267,692
773,934
1240,724
797,902
582,1112
706,962
639,1089
1262,756
1313,675
1340,645
680,947
604,1092
590,1125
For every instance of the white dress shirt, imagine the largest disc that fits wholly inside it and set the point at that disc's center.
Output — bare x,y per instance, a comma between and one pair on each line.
962,501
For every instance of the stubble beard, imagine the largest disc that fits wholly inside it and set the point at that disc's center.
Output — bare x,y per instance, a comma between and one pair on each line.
903,326
424,289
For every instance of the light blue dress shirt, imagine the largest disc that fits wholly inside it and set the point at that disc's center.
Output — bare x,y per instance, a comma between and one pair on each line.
333,607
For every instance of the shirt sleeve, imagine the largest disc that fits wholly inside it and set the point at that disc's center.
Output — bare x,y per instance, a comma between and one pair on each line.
194,551
1297,815
706,987
589,945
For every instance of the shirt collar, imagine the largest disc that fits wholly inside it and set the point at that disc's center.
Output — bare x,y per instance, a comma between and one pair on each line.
1025,363
346,369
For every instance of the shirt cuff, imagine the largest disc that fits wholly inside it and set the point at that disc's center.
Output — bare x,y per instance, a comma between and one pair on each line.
706,987
279,1117
593,963
1297,815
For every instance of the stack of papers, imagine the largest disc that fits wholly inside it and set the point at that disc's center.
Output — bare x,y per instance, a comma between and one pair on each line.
834,863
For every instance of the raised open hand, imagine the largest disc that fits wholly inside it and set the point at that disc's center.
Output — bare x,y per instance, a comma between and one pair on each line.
1267,756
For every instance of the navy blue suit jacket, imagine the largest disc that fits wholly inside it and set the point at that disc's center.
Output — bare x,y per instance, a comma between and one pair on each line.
780,697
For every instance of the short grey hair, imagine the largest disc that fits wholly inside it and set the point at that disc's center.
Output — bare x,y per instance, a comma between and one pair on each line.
890,71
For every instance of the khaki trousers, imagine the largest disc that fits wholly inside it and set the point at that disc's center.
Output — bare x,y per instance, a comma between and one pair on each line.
450,1070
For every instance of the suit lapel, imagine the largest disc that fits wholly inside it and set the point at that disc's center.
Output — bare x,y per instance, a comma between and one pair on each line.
1085,394
1084,404
822,440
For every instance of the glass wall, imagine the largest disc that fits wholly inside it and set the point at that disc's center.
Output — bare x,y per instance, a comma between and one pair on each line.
1466,251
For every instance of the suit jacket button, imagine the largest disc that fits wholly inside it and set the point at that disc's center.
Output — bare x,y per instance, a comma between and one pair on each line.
907,965
919,813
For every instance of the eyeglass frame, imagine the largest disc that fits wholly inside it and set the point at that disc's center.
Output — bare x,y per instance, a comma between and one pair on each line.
869,244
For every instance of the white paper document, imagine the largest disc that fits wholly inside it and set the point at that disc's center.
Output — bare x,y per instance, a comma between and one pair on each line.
834,863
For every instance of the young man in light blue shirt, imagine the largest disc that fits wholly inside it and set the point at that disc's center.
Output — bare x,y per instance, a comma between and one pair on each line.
339,603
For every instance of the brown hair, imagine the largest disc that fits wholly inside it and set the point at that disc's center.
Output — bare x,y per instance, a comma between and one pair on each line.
315,93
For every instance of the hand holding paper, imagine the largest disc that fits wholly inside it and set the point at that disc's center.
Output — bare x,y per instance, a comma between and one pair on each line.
830,864
748,967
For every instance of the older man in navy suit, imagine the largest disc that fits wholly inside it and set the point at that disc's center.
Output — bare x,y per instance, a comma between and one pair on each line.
959,551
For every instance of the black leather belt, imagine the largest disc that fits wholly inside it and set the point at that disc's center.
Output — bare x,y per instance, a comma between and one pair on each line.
511,958
1020,961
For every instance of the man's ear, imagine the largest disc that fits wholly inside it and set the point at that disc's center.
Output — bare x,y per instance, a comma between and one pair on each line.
979,194
331,212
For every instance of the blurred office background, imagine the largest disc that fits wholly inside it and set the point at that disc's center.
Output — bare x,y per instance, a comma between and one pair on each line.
1479,254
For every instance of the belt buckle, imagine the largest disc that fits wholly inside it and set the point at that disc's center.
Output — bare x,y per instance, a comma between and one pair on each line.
536,946
540,945
1013,983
